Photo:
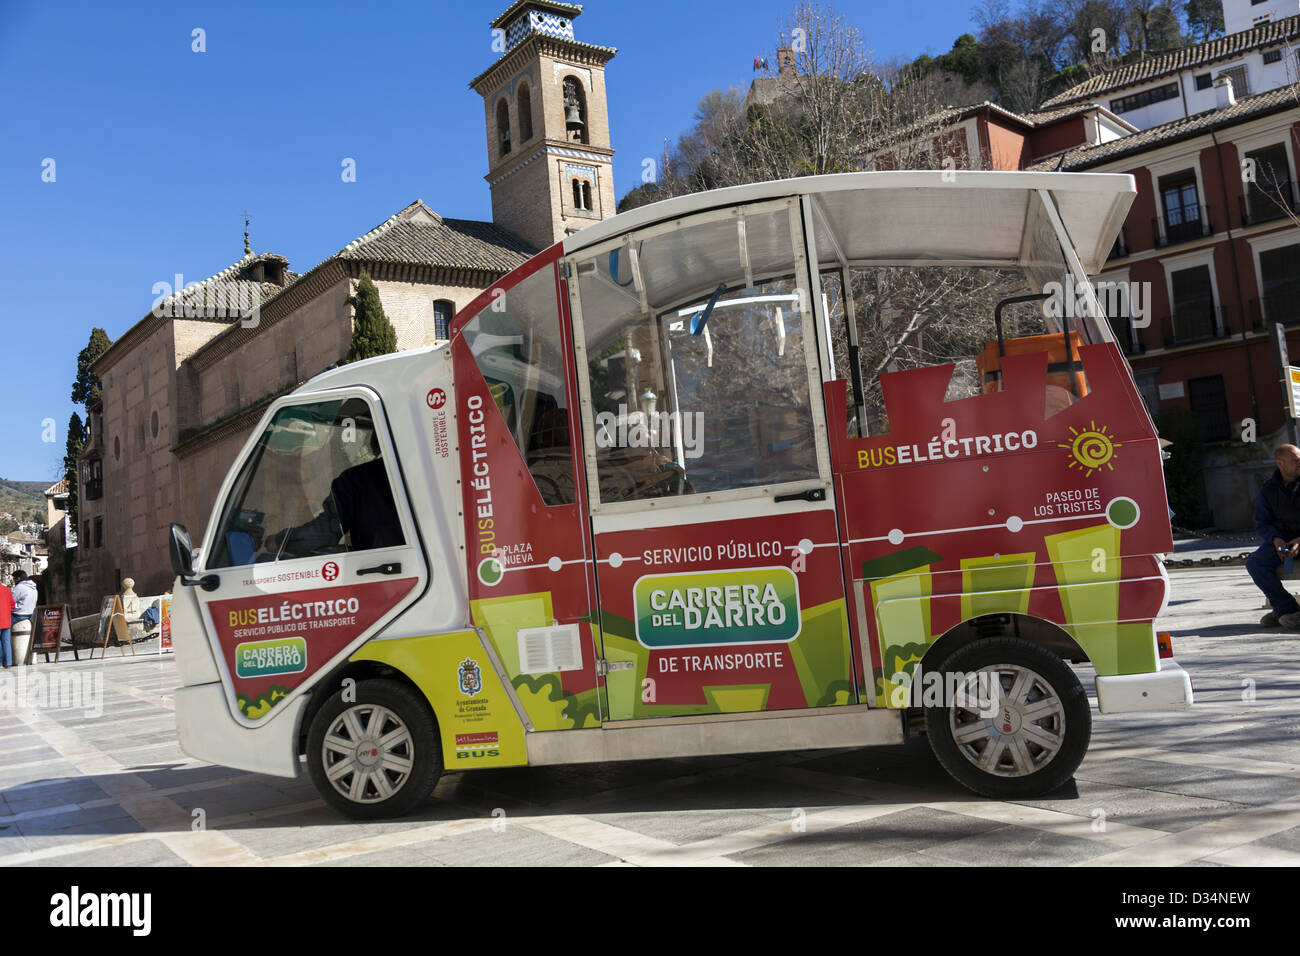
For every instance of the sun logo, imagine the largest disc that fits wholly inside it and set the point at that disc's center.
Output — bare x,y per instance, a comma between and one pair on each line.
1091,449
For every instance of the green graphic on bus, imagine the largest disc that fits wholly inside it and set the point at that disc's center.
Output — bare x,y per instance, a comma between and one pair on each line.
708,608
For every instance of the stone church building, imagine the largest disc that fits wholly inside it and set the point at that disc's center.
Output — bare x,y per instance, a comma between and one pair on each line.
184,387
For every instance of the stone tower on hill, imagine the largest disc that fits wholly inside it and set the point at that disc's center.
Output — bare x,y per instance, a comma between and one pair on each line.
550,165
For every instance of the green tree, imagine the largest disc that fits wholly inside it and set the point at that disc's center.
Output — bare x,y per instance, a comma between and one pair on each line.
86,388
76,441
372,333
642,195
1161,29
1204,18
963,59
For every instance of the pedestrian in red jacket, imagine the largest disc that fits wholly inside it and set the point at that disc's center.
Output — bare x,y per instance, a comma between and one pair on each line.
6,622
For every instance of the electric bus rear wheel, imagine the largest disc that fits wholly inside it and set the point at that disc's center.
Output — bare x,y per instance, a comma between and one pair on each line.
1018,724
376,754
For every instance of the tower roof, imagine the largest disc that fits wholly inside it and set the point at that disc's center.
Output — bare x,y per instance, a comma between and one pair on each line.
528,20
561,15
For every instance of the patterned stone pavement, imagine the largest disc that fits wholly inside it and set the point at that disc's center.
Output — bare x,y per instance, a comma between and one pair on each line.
1217,786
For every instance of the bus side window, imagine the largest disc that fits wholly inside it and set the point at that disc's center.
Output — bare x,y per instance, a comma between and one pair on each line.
315,484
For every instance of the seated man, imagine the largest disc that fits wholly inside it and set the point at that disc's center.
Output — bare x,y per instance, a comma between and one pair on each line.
360,511
1277,519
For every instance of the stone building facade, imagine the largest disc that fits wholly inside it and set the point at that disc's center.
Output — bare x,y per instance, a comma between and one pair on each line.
184,387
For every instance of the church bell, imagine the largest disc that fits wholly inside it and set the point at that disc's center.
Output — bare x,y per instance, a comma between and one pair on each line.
573,118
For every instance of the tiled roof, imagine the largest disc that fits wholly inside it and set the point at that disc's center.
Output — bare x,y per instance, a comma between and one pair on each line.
951,115
229,292
1081,157
1042,117
227,296
946,116
1141,71
60,489
418,235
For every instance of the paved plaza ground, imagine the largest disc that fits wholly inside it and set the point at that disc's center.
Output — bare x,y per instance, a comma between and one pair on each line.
1219,785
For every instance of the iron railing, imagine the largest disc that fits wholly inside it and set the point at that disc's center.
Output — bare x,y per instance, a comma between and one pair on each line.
1194,324
1193,223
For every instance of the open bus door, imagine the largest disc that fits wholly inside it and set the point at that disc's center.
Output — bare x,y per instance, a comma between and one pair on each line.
708,470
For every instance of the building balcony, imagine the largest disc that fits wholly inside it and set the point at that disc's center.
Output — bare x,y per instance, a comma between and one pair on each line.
1192,223
1268,205
1194,324
1283,307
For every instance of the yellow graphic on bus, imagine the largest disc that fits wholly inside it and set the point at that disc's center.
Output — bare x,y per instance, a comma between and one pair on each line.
1091,449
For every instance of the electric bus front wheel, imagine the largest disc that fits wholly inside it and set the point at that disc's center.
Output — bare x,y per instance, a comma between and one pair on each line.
1014,721
373,750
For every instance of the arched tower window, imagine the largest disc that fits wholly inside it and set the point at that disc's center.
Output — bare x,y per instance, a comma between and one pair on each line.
575,111
577,194
524,102
503,125
586,195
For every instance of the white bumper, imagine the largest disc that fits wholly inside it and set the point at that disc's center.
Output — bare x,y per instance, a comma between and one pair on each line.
1167,689
208,732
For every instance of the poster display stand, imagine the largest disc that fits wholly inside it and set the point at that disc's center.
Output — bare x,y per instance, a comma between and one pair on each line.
52,633
112,626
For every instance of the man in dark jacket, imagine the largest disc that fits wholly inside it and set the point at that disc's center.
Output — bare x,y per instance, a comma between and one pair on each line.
360,506
1277,519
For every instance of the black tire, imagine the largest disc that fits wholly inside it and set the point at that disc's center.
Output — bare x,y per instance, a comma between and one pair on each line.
1023,762
394,706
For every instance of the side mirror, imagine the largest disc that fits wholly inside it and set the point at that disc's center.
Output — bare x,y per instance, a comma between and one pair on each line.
182,555
182,551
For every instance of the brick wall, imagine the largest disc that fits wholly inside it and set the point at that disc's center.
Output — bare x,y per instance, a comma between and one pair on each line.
409,306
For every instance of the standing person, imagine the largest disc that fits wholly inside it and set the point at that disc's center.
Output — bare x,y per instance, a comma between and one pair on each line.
1277,519
6,622
25,597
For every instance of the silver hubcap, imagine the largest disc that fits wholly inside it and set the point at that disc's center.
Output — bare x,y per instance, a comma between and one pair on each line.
368,753
1027,731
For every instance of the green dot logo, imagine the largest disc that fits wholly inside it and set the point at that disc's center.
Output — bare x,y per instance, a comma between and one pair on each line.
491,571
1122,513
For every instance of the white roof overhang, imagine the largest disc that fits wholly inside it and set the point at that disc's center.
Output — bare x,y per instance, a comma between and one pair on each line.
918,217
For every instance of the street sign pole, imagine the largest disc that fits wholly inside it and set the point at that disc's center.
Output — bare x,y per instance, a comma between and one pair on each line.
1288,378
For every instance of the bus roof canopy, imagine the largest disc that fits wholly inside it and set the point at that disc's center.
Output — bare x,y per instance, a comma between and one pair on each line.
922,217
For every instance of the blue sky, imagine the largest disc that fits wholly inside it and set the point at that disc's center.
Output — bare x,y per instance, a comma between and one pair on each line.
157,149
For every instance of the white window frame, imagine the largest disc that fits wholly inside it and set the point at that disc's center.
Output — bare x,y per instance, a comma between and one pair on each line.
1190,260
1262,140
1267,243
1176,164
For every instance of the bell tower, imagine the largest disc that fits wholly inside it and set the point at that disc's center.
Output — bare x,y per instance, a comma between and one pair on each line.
550,166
